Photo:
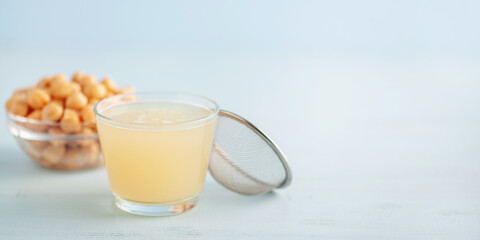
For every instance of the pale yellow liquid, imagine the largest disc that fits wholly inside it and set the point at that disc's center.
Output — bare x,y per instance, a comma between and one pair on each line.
156,164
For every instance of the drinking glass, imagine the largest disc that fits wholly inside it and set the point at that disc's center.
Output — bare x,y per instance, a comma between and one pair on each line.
156,148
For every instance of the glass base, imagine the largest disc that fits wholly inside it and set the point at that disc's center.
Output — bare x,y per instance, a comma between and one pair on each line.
157,210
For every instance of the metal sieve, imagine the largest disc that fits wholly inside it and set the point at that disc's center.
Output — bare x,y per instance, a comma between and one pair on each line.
244,159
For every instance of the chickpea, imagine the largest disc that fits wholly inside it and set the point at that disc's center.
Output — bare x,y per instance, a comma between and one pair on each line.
93,101
46,163
95,91
70,122
9,103
41,161
76,101
58,79
91,152
59,102
37,127
74,156
45,82
56,131
73,144
36,115
78,77
109,84
87,80
52,112
21,91
21,95
61,90
66,166
76,86
37,145
53,153
37,98
70,165
86,142
88,115
124,90
91,125
19,108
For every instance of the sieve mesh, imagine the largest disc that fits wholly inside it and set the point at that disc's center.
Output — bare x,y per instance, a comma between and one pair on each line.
244,159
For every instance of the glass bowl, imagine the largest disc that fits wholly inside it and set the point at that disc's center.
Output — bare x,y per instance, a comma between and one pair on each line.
48,145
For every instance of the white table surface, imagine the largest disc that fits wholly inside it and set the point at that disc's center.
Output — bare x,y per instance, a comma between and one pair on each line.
375,103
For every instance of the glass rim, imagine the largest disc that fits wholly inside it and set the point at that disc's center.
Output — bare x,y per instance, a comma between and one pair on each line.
210,115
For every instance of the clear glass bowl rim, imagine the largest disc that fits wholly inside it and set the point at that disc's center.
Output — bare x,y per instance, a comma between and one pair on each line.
14,120
21,119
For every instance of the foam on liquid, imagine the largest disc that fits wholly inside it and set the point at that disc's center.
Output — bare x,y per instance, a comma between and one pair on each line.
156,112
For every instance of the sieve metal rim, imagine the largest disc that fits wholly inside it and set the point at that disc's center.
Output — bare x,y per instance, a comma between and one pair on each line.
268,140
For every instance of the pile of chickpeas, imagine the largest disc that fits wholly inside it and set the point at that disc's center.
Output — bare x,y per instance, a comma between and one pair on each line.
60,107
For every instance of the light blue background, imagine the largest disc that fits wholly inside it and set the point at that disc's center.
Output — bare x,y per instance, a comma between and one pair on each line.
378,98
232,27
